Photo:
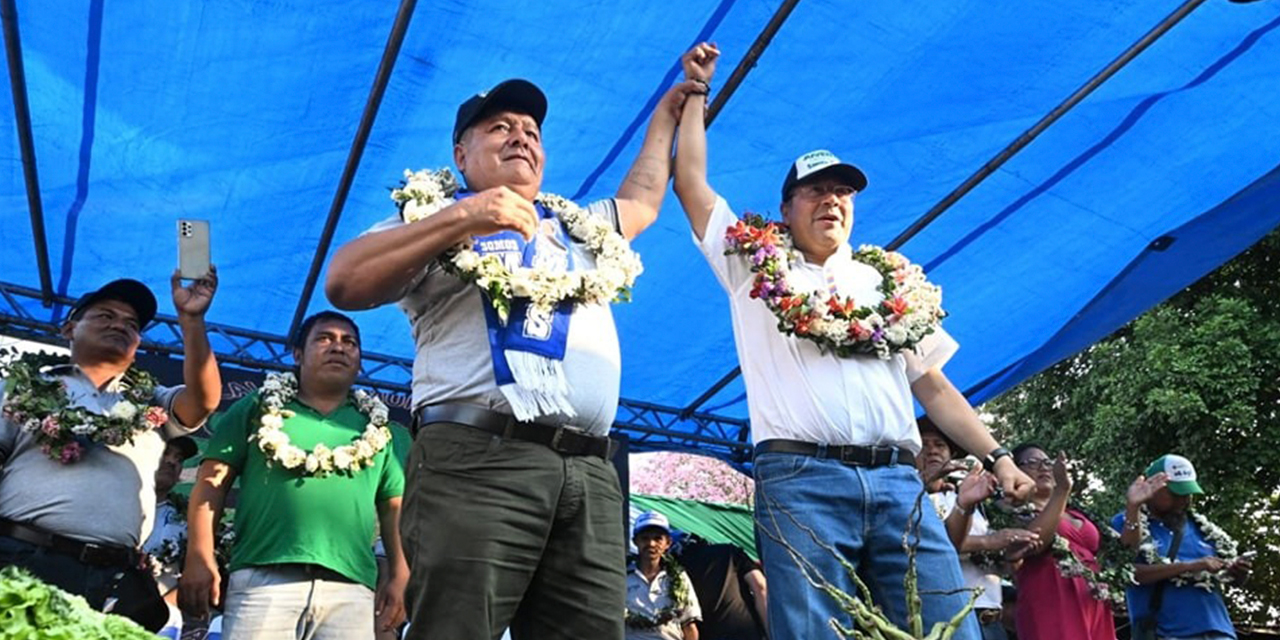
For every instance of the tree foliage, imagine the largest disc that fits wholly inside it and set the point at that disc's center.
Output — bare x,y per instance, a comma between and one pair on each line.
1198,375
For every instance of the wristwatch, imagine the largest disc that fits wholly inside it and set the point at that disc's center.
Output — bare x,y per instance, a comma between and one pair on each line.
989,461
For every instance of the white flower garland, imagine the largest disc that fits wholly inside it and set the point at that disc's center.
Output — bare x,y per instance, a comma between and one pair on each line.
1226,548
426,192
278,390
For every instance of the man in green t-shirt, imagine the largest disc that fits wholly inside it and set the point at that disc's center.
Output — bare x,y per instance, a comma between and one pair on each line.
315,461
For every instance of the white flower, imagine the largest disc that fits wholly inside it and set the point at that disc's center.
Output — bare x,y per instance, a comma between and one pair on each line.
896,333
272,421
292,457
342,458
124,410
274,439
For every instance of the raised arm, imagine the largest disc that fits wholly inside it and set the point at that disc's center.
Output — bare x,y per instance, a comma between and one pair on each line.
976,486
1141,490
375,268
696,196
203,384
1046,522
641,192
199,589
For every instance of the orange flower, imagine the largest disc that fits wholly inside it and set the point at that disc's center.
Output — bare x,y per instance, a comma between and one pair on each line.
837,307
896,305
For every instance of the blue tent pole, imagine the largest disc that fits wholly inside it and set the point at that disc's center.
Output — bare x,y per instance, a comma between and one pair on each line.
748,61
383,76
22,117
1030,134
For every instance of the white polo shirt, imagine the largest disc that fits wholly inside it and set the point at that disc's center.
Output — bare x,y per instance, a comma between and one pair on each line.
797,392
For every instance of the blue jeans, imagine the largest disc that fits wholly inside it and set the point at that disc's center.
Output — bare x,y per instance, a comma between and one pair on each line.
822,508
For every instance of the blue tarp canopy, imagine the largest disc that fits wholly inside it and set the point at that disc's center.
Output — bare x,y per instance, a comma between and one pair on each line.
243,112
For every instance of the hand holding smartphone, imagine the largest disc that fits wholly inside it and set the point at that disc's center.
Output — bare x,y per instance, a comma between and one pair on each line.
193,249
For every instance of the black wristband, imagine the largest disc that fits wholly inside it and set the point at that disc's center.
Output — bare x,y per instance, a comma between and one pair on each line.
989,461
706,87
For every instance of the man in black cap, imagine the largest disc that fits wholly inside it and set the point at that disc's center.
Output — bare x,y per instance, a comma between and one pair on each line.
512,511
81,439
832,365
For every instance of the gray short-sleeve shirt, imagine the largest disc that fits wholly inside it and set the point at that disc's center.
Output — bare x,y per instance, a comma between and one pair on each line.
108,496
453,362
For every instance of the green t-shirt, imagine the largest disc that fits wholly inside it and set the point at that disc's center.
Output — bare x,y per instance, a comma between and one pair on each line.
283,517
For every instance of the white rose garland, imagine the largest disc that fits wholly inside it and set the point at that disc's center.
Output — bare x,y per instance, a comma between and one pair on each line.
278,390
426,192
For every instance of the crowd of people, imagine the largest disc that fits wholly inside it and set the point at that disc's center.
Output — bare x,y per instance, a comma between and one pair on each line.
499,509
1071,571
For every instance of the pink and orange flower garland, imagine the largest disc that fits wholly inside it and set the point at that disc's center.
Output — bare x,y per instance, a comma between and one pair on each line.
40,406
911,308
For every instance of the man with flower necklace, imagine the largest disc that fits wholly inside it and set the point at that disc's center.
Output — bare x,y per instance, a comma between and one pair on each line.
319,466
1179,590
830,396
81,440
513,516
661,601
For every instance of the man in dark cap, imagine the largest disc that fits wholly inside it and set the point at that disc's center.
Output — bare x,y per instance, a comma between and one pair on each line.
81,439
512,510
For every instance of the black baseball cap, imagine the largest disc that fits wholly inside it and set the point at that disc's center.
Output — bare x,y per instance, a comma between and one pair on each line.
128,291
823,162
516,95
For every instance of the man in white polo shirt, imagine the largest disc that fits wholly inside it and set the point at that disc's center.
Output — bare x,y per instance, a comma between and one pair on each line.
830,396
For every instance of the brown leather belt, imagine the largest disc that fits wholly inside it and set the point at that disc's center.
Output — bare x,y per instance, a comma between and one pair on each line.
565,440
849,454
102,555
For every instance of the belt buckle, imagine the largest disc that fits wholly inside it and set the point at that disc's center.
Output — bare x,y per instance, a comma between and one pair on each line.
86,550
848,456
556,437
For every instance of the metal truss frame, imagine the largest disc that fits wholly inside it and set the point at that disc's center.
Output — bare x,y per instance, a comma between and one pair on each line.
648,426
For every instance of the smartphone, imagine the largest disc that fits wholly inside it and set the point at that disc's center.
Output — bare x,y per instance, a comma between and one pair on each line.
1248,555
193,249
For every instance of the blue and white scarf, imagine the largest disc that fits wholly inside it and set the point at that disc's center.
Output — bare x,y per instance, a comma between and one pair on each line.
528,351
